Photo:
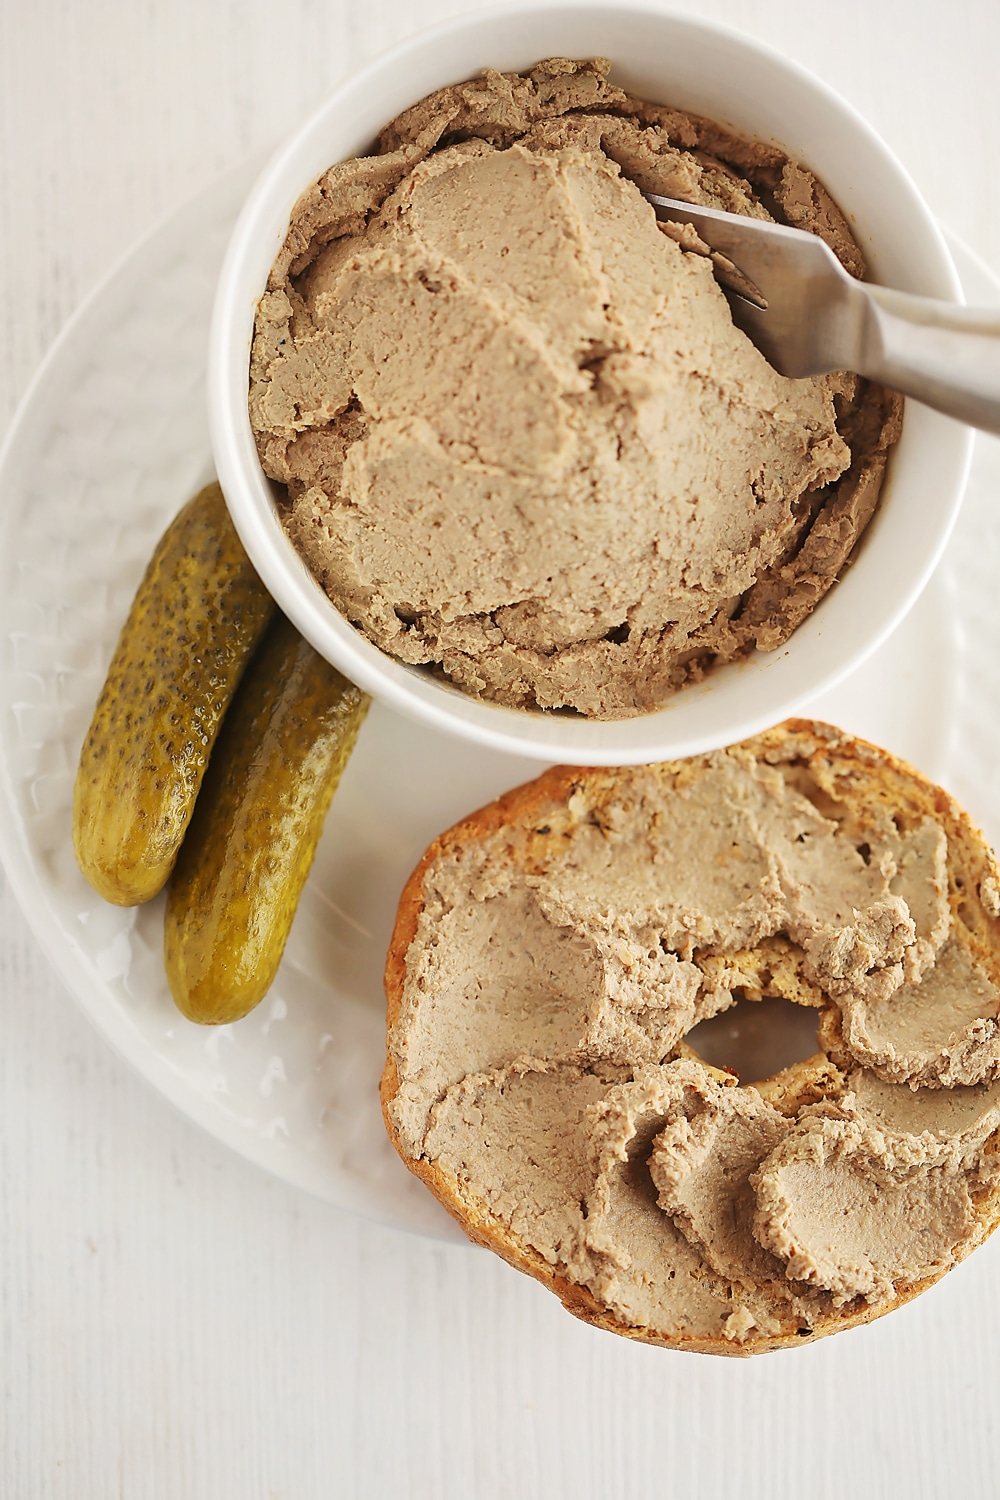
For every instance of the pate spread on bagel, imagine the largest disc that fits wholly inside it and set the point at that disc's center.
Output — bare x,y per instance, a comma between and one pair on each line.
552,952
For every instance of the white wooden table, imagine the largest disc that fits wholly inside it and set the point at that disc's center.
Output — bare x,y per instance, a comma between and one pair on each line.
175,1324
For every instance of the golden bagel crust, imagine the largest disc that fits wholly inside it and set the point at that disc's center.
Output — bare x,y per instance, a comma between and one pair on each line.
881,777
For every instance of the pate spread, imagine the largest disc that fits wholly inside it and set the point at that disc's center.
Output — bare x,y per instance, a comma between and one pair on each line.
540,1064
523,443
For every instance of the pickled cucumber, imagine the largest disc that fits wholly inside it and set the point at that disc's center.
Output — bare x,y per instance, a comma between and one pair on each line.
199,612
251,842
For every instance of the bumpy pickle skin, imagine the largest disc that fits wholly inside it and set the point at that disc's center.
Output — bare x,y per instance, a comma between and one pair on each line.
250,846
196,619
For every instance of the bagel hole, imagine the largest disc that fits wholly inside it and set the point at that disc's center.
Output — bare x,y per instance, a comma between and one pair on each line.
755,1039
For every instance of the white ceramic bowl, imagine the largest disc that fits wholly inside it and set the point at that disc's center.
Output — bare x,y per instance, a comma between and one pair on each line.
713,71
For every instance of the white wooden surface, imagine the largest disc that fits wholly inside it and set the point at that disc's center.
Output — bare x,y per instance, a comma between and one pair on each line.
176,1325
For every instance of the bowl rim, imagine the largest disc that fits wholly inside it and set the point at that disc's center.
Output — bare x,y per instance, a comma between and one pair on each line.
755,686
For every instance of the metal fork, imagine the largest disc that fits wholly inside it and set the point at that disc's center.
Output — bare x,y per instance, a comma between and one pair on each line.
808,316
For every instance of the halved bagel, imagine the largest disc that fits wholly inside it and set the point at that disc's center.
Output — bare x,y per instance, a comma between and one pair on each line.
553,951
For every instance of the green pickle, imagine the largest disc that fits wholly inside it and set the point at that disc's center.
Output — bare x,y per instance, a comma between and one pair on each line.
251,842
194,624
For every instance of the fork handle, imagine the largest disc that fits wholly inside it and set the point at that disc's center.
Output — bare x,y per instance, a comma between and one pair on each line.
945,356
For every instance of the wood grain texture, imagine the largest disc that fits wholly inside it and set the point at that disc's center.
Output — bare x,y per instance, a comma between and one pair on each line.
174,1324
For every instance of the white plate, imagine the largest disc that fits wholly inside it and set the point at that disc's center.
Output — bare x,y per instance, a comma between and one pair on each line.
110,440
